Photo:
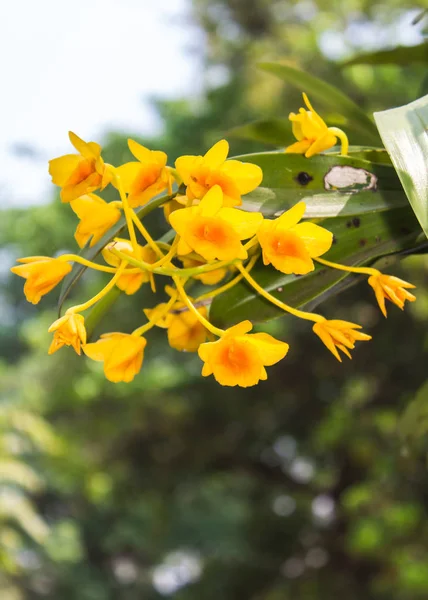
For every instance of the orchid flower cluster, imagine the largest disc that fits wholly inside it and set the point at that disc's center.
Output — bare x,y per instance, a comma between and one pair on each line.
216,243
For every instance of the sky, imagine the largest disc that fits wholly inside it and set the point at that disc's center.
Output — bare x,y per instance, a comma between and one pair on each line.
88,66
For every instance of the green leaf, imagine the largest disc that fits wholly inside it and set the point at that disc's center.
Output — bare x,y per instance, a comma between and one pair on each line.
288,178
92,253
329,95
401,55
267,131
277,132
404,132
357,241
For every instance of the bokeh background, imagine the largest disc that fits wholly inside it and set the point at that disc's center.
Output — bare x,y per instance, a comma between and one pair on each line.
314,484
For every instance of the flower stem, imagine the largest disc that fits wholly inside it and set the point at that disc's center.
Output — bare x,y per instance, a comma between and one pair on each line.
171,253
101,294
363,270
251,243
227,285
87,263
146,235
128,213
294,311
343,139
141,330
170,272
194,310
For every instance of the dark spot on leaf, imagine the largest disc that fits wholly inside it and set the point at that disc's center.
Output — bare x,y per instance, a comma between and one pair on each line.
362,242
404,230
356,222
334,241
349,224
303,178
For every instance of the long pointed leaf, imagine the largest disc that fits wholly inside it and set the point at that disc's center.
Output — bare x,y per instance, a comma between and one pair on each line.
404,132
401,55
329,95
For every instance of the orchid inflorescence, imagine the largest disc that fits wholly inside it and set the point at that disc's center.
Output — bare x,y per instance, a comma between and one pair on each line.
216,243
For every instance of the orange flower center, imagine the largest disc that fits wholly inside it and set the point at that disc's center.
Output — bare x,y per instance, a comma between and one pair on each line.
211,230
287,244
145,178
84,169
237,356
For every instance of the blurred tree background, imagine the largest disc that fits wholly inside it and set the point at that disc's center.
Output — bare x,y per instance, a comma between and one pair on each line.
312,485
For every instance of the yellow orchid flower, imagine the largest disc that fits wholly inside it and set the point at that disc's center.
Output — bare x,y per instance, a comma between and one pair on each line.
42,274
146,178
289,245
312,133
240,359
122,354
201,173
96,217
130,282
185,331
79,174
69,330
209,278
339,334
213,231
391,288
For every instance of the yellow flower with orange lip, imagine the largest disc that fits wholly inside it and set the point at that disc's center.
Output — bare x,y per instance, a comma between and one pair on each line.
69,330
209,278
311,131
201,173
391,288
342,335
213,231
96,217
185,332
239,358
146,178
289,245
80,174
122,354
42,274
130,283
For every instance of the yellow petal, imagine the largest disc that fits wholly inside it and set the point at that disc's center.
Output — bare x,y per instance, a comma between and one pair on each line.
271,350
61,168
217,154
86,149
140,152
296,128
292,216
298,147
245,176
239,329
244,223
183,247
319,121
185,166
316,239
326,141
326,339
212,202
100,349
127,174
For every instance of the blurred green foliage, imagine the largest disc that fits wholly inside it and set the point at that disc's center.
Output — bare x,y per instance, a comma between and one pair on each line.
312,485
